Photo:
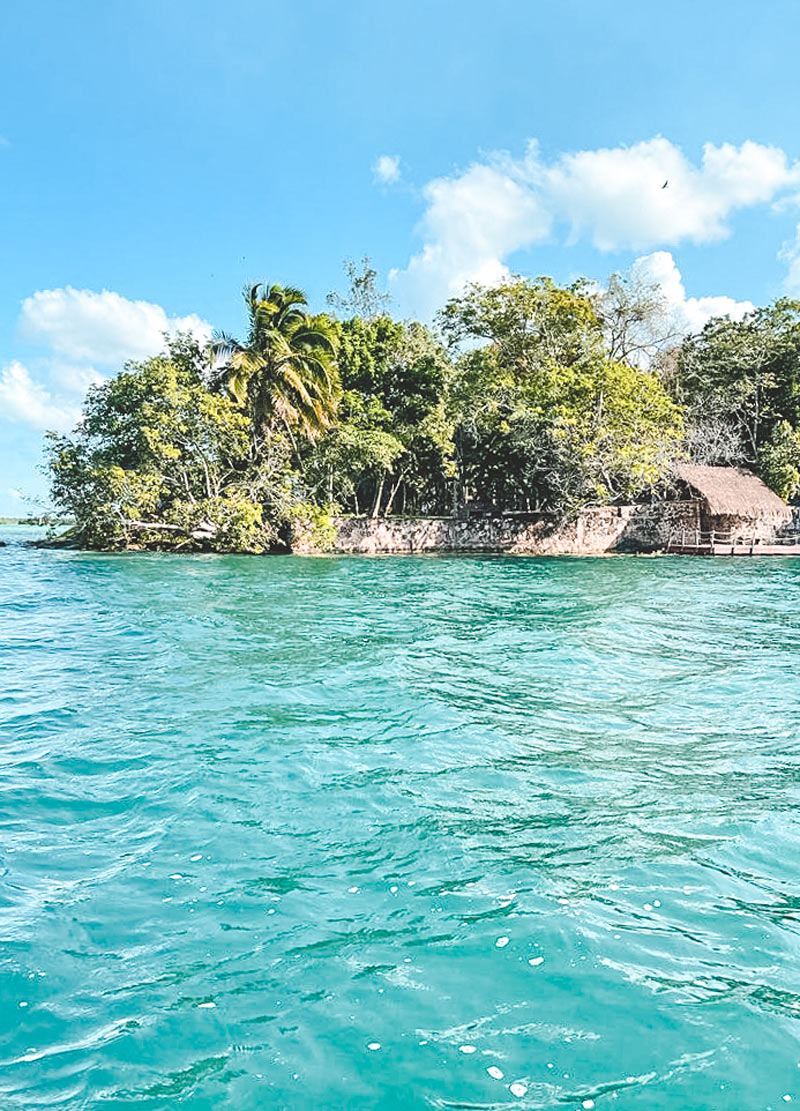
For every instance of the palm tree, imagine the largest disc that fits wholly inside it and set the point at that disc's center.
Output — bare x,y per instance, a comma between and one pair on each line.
285,370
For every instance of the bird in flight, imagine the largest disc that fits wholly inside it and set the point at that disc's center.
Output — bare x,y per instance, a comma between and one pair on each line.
666,183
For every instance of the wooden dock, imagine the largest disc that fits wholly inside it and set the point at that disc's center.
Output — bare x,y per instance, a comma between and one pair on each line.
726,544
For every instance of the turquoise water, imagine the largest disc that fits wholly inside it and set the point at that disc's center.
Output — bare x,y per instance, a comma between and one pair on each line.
259,815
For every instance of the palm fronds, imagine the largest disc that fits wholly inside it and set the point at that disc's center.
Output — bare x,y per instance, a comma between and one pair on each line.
286,369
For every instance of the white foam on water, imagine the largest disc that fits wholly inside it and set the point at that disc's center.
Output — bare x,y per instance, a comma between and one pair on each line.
495,1072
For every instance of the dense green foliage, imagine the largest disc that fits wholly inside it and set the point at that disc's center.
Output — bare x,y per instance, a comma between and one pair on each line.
392,443
557,422
284,373
740,383
527,397
157,445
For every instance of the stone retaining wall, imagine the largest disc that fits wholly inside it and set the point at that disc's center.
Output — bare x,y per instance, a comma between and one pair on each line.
593,532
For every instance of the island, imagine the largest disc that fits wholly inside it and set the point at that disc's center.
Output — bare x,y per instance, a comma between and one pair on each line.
531,417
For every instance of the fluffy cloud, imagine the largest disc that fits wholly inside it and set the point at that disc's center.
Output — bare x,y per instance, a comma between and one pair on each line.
624,198
386,169
650,194
687,314
103,328
81,330
472,222
23,399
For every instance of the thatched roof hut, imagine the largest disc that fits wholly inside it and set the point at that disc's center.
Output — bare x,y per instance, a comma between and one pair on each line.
732,492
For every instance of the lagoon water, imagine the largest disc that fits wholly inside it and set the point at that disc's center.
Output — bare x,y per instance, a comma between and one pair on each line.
398,833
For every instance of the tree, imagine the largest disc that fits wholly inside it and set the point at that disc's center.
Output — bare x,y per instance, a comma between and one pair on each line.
779,460
391,446
352,460
530,324
157,455
544,418
740,383
747,371
636,320
363,299
284,372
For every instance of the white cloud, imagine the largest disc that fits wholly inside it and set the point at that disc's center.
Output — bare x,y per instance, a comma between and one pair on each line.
650,194
81,330
624,198
386,169
103,328
23,399
472,222
687,314
71,378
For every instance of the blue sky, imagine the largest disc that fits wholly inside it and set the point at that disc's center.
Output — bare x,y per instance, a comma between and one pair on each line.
154,157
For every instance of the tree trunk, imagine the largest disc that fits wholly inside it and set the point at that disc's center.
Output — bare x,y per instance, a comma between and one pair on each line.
395,488
376,507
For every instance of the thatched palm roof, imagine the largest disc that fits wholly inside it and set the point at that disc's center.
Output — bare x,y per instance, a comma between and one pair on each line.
731,490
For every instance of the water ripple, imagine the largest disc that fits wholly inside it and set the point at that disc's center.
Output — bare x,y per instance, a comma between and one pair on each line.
291,833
